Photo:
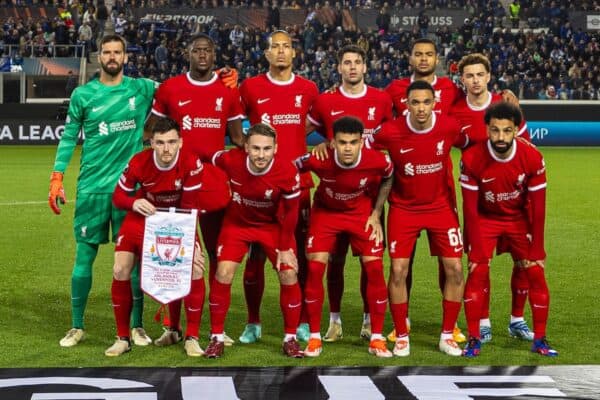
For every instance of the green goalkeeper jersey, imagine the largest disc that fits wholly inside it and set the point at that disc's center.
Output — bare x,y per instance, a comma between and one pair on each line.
112,121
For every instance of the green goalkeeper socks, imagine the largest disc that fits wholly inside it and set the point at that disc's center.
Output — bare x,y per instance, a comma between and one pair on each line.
138,299
81,281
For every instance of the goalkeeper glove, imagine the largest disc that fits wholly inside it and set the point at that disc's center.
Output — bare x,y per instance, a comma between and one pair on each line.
229,77
57,192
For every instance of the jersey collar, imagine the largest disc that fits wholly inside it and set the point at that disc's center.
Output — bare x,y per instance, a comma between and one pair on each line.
354,96
266,171
481,107
201,83
281,83
412,79
339,164
513,152
424,131
170,167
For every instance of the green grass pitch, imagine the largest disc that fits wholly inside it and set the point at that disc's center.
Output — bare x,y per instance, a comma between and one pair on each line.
37,250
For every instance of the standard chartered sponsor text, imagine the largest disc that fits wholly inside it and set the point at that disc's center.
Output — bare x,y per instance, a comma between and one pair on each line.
423,169
122,125
286,119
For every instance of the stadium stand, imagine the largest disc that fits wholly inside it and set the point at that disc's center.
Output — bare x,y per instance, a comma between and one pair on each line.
544,57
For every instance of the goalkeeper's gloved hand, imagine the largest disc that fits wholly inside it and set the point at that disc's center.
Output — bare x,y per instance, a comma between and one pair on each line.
229,77
57,192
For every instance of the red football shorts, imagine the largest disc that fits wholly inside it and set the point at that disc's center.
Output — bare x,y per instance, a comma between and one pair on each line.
514,235
234,241
443,232
131,234
210,226
325,227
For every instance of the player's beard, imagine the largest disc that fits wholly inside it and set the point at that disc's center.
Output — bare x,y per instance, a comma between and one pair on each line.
502,150
112,70
422,74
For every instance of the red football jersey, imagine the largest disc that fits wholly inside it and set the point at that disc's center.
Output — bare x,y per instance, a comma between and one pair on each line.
503,184
372,107
473,117
446,93
162,187
421,161
255,197
284,106
345,188
202,110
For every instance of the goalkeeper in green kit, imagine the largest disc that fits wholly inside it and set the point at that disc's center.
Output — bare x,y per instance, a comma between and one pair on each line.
111,112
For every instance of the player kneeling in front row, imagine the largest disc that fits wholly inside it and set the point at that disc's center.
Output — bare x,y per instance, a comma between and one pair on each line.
166,177
263,210
342,205
498,179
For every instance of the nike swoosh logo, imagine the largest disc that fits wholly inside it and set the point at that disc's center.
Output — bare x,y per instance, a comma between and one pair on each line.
293,305
213,304
183,103
374,250
486,180
235,182
333,113
260,101
310,301
467,300
381,301
194,309
457,249
94,109
145,184
402,151
328,180
539,306
403,100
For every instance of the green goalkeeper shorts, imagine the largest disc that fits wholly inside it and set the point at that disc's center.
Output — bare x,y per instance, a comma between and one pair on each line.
95,217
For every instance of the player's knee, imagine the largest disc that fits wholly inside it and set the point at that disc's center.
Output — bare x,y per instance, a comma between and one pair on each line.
287,276
122,271
224,275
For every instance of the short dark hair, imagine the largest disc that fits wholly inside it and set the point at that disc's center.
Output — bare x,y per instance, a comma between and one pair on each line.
114,38
423,41
348,124
164,125
278,31
351,48
419,85
261,129
503,110
199,36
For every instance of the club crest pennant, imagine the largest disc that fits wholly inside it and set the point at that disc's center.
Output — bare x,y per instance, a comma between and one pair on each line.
167,255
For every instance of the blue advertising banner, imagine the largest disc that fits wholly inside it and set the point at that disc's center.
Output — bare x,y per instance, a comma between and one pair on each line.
569,133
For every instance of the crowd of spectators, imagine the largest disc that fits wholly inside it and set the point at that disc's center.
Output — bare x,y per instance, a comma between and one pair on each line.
553,60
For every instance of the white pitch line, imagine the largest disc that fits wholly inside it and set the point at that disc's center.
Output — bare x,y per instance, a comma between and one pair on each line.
22,203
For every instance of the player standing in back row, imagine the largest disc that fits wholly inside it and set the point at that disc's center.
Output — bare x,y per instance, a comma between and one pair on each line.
207,110
470,110
373,107
282,100
110,111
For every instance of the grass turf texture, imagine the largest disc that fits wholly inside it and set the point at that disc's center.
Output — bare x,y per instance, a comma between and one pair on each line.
37,250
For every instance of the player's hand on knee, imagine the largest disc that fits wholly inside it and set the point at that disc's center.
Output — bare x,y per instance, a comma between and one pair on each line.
144,207
199,261
56,194
286,257
374,223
